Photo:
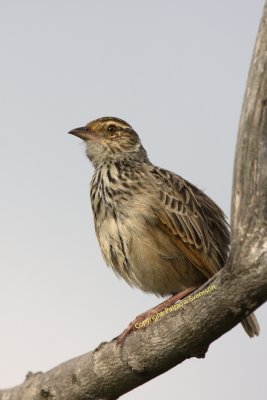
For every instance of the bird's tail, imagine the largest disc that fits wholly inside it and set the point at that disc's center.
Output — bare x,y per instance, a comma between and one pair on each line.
251,325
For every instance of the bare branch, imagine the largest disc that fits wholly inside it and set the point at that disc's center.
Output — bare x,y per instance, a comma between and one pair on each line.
249,199
240,287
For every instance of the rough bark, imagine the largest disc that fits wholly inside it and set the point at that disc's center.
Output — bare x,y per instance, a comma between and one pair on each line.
240,287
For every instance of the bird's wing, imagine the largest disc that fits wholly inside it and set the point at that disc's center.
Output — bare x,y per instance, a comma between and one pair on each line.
195,222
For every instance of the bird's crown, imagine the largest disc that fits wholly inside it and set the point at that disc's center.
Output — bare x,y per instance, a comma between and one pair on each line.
110,138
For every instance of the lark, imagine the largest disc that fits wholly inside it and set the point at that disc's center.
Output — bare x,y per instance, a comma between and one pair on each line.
155,229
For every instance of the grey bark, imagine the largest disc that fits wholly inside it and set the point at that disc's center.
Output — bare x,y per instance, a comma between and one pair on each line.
240,287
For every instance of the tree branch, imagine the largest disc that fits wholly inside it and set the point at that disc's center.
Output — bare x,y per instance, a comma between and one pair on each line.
240,287
249,199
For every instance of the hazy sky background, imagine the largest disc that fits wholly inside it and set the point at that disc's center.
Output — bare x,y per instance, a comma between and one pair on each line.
176,71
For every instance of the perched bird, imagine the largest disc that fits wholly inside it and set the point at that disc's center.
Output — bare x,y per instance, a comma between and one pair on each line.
155,229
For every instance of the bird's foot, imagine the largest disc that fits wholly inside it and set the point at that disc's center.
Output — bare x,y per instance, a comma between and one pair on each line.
151,315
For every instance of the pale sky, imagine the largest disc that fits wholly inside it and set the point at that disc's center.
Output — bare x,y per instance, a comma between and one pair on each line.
174,70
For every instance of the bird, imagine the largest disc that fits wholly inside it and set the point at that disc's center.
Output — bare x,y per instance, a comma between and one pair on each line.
156,230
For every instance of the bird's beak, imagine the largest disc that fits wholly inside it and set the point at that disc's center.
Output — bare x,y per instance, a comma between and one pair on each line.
83,133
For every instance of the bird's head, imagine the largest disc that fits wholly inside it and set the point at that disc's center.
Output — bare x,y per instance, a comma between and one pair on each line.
110,138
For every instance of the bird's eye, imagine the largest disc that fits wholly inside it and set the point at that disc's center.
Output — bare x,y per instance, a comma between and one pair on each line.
111,128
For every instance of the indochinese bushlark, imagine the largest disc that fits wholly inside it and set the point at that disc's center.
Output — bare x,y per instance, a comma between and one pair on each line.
155,229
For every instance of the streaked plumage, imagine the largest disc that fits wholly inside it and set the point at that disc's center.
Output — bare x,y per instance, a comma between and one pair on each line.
155,229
